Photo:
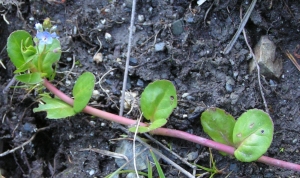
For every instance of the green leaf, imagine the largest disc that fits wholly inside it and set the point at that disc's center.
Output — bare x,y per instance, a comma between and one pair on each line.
55,108
141,129
157,124
252,135
219,125
50,54
157,165
83,91
18,47
158,100
32,78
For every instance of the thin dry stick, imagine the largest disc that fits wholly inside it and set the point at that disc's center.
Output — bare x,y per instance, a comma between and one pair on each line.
134,138
241,27
23,144
99,82
11,82
176,155
258,70
127,58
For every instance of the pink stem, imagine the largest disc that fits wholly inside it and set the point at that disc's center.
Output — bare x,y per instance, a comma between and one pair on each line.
169,132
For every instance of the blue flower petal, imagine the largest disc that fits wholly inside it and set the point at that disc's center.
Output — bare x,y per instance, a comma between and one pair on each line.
44,37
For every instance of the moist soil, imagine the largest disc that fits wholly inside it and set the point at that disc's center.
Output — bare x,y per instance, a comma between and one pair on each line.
190,41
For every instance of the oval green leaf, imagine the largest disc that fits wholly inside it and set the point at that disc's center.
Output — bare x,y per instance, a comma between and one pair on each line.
32,78
55,108
83,91
18,47
158,100
218,124
141,129
252,135
157,124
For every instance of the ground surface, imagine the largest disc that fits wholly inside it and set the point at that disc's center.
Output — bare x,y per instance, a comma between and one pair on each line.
191,59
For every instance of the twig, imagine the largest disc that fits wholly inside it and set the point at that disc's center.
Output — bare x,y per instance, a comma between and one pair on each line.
99,82
241,27
258,69
11,82
106,153
23,144
133,145
127,58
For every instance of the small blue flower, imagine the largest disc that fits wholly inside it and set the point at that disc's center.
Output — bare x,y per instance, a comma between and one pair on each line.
46,37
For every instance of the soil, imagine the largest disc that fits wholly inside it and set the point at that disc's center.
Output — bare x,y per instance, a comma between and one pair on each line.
193,38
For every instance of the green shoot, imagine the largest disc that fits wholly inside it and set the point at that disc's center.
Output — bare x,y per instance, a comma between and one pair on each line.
157,165
213,169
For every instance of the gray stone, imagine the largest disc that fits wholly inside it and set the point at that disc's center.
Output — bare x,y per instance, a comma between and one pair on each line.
192,156
160,46
140,83
177,27
125,147
270,66
229,84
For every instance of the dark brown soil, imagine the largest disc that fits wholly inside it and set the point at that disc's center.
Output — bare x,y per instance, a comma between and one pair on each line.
192,60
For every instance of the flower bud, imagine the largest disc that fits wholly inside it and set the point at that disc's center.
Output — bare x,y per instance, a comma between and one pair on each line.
53,29
47,23
39,27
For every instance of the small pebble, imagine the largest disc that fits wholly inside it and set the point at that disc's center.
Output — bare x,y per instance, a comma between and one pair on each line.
192,156
140,83
141,18
69,59
96,93
185,95
295,140
228,87
68,83
177,27
91,172
98,58
93,123
160,46
133,61
103,21
28,127
108,37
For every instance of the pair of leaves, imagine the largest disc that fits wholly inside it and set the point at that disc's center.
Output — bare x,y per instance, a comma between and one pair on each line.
157,103
25,56
251,134
82,93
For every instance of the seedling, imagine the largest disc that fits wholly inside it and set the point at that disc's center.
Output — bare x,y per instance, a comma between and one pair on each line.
248,138
251,134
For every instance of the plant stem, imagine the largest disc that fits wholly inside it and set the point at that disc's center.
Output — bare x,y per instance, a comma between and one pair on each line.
169,132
